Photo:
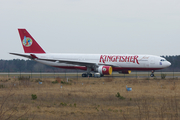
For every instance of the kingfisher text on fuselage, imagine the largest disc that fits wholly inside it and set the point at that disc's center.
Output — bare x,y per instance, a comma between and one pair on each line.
117,58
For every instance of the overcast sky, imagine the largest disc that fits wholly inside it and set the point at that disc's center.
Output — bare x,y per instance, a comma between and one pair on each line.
92,26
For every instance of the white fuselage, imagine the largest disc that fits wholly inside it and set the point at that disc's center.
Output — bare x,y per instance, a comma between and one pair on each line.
119,62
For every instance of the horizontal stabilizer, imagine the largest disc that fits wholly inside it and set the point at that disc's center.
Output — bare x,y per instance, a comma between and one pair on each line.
33,56
22,55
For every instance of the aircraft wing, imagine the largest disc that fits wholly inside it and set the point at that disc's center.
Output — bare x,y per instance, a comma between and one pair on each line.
81,63
73,62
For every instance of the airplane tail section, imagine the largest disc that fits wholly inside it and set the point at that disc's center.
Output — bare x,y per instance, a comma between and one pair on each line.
28,42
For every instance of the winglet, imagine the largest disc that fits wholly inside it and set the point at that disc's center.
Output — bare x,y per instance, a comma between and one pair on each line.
28,42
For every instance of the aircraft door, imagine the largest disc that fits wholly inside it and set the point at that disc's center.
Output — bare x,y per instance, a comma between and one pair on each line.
145,61
152,62
147,64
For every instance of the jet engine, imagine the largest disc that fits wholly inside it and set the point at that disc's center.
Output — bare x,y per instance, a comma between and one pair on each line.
125,72
105,70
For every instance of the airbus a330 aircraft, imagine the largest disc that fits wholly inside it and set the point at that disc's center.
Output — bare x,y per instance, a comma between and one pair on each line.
103,64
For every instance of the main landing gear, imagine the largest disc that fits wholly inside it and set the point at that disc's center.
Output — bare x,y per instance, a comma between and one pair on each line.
152,73
86,75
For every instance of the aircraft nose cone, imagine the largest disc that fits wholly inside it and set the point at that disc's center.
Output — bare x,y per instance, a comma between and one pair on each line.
169,64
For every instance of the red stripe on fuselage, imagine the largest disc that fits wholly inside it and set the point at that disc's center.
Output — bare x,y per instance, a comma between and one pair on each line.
114,68
72,67
139,69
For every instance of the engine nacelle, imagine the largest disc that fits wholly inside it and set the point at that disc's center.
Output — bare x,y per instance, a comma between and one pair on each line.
105,70
125,72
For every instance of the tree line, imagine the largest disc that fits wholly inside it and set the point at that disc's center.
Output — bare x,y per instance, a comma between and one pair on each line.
20,65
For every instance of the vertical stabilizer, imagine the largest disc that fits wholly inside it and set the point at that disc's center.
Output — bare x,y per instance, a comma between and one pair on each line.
28,42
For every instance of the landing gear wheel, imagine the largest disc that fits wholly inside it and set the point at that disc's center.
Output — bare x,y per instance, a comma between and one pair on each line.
84,75
90,75
152,75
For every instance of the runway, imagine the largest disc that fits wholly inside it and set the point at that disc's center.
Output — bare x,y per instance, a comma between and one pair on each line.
78,75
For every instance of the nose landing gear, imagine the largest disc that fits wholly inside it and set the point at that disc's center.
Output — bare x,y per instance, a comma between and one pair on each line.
152,73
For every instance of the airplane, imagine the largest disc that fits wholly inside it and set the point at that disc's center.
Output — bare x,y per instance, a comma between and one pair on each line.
102,64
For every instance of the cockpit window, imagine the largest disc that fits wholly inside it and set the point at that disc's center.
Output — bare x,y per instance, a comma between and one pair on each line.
163,60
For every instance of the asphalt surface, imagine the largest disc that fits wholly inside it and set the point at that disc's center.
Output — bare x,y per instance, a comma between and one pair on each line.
78,75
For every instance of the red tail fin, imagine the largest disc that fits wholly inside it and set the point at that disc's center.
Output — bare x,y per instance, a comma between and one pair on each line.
28,42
